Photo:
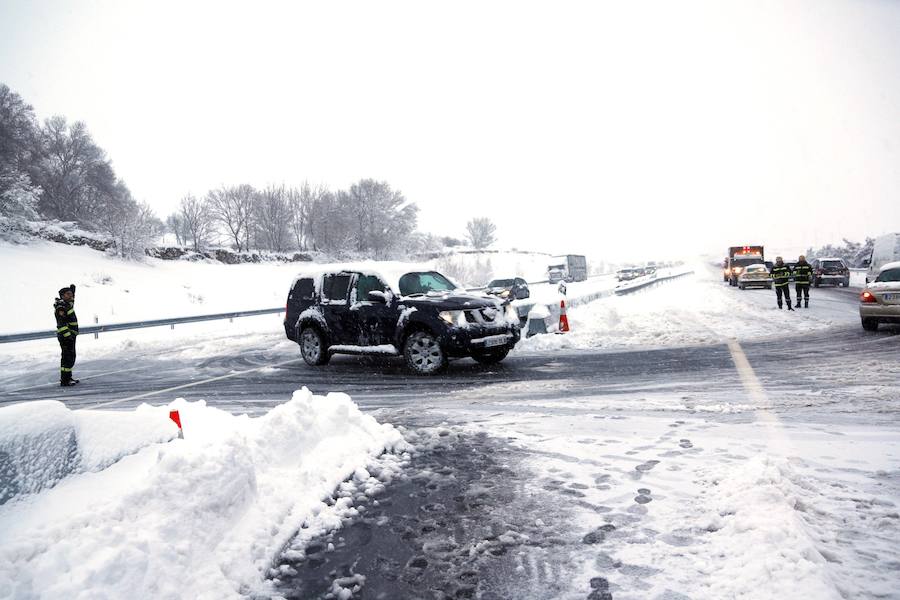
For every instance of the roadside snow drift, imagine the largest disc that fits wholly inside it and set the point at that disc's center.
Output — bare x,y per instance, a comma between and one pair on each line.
200,517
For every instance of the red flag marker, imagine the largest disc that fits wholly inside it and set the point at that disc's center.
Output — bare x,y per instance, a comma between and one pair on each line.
173,414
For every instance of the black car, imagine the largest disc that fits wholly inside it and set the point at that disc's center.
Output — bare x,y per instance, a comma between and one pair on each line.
515,288
423,316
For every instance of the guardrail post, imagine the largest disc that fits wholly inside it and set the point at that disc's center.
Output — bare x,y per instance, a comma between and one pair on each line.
96,333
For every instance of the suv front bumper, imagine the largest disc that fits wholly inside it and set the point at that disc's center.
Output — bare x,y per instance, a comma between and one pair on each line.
463,341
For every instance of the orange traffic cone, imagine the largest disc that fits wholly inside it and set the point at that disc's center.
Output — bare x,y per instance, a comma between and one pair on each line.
563,319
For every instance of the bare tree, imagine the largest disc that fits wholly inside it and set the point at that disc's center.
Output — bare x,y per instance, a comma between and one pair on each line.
232,208
197,221
481,232
133,227
175,224
383,217
271,217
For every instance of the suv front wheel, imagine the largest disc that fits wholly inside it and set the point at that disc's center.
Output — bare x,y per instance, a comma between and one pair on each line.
424,354
312,347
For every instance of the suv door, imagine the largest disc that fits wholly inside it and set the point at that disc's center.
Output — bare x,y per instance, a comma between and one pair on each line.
335,305
374,321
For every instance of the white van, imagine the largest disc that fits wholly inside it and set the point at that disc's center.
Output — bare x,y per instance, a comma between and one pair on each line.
885,250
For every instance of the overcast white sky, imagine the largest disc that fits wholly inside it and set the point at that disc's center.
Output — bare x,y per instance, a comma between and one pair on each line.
624,130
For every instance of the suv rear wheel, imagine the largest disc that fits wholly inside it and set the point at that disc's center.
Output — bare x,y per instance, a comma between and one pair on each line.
312,347
423,353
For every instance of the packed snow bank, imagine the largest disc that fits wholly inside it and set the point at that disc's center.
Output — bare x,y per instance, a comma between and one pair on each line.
43,442
200,517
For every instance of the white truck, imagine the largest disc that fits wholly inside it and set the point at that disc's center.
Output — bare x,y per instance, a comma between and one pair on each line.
568,267
886,249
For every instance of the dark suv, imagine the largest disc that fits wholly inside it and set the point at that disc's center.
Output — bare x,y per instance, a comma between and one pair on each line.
830,270
423,316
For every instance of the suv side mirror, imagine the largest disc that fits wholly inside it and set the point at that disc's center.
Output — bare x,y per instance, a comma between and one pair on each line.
865,263
378,296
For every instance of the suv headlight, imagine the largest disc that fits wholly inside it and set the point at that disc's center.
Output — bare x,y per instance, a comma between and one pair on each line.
512,315
454,317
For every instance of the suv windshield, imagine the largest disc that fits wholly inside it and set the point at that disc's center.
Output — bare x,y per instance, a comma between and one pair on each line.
501,283
889,275
832,264
422,283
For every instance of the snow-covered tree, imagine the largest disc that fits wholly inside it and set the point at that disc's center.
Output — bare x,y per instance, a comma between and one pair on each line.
232,209
271,219
481,232
18,198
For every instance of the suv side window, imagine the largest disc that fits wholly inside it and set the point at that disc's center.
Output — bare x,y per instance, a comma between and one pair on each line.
304,290
335,288
366,284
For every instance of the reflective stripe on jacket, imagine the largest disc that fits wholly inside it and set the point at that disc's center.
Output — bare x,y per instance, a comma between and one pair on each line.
803,273
780,275
66,320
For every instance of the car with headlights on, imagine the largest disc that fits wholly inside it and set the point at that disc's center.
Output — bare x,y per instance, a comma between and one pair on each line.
514,288
755,276
422,316
879,302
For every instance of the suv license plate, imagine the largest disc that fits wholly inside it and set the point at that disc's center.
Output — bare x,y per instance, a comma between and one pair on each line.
494,340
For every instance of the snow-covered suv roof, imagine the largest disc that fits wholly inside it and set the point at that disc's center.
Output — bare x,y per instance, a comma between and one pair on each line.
388,271
830,258
890,265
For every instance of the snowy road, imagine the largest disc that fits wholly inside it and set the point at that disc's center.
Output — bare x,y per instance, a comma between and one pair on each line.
763,467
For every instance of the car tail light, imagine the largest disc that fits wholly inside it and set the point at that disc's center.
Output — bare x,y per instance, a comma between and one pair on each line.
867,297
285,313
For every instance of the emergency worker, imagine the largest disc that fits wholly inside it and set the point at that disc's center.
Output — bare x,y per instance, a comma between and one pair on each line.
802,279
781,276
66,332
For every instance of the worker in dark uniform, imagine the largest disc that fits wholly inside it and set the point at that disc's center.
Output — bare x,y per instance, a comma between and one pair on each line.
802,279
781,276
66,332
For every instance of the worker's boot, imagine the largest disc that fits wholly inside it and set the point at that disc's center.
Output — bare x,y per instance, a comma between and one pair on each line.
806,304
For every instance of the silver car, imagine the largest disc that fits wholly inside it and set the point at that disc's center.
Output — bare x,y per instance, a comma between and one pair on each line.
755,275
880,301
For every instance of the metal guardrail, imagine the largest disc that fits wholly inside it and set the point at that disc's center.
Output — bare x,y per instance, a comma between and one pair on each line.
523,310
98,329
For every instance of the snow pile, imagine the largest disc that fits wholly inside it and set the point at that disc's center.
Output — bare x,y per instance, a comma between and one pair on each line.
759,542
43,442
195,518
694,309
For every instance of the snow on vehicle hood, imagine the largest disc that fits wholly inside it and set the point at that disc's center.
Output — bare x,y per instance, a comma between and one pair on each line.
455,300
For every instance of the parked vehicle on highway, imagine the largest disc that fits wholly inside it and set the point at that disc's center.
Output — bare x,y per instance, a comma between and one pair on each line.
628,274
568,268
515,288
739,257
755,276
880,301
420,315
886,249
830,270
